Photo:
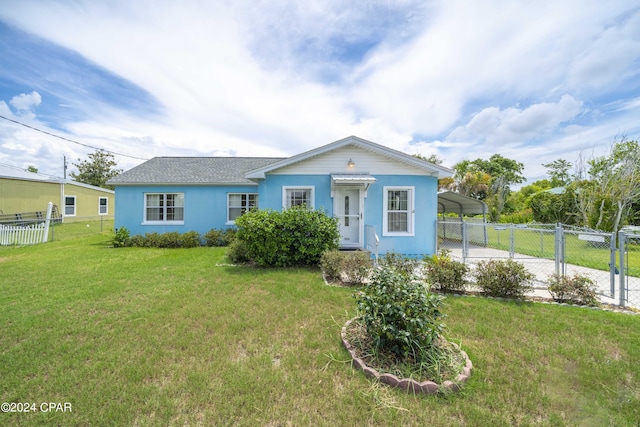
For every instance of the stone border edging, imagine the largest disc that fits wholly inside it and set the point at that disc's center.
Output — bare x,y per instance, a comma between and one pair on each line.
407,384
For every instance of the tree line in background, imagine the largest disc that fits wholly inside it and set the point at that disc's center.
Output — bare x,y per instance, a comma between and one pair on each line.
601,193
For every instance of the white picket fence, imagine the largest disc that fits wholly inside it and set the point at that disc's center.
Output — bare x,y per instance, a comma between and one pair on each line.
27,234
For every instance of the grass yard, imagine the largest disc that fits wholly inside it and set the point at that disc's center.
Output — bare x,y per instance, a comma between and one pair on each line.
148,337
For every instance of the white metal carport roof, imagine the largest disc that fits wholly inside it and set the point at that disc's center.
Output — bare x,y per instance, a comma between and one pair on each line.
450,202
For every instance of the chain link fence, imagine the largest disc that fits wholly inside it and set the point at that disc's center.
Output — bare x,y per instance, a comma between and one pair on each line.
547,249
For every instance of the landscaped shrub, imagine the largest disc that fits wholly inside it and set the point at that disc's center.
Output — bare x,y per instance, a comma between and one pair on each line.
503,278
402,264
219,237
400,314
578,289
172,239
237,252
357,267
444,274
152,240
296,236
332,265
349,267
122,238
190,239
138,241
169,240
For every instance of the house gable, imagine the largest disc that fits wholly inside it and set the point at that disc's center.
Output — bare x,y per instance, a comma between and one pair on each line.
320,160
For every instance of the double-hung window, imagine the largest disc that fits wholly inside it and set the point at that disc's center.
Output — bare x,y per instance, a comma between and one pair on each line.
239,203
103,206
164,207
298,196
398,212
69,205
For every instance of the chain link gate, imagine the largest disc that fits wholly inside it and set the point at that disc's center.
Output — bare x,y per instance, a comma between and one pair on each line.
591,254
629,257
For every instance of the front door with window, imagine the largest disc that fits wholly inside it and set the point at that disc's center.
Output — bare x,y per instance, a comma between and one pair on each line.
348,212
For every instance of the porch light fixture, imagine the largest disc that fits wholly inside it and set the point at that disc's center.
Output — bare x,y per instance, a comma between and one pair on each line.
351,163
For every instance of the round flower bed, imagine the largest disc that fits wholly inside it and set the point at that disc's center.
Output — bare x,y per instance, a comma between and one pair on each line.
407,384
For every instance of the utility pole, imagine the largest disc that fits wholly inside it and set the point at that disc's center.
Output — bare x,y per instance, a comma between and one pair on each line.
65,166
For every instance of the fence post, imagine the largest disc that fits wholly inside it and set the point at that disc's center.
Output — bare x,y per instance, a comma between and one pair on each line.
512,246
559,253
465,242
46,223
612,264
621,253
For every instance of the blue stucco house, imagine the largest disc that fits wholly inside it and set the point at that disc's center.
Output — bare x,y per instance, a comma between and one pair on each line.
385,200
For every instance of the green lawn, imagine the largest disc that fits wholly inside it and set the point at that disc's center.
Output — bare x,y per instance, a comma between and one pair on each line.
175,337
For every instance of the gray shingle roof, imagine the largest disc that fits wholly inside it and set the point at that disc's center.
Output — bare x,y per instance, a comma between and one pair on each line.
193,170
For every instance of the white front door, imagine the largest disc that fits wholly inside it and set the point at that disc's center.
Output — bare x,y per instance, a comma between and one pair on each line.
348,211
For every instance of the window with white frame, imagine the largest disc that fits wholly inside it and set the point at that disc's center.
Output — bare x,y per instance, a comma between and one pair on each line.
103,205
239,203
398,211
69,205
164,207
298,196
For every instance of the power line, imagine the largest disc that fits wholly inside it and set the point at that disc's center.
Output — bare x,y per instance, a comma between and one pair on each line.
70,140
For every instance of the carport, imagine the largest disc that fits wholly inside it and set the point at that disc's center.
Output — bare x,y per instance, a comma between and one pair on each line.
450,202
453,228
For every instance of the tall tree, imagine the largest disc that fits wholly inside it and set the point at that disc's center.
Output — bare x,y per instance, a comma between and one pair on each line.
498,174
558,171
97,170
616,184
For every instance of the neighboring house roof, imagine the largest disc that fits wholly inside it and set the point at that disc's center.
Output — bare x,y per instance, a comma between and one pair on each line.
448,201
10,172
193,170
13,172
433,169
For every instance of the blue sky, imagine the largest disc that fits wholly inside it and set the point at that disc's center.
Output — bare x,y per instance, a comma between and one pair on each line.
532,81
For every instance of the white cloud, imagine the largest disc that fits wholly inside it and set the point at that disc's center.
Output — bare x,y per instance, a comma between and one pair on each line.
454,78
26,102
493,127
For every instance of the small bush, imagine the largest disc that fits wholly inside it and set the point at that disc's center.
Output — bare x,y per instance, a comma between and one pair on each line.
402,264
138,241
228,236
331,263
190,239
578,289
219,237
400,315
213,237
152,240
170,240
356,267
237,252
350,267
444,274
503,278
122,238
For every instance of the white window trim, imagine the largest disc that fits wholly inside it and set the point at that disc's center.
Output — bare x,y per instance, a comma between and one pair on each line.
106,205
410,207
75,205
231,221
312,196
163,222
